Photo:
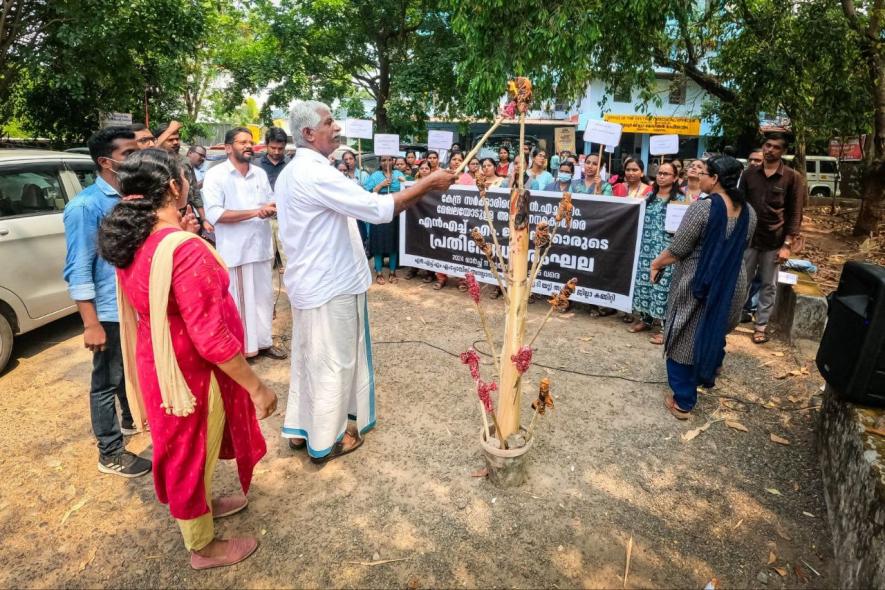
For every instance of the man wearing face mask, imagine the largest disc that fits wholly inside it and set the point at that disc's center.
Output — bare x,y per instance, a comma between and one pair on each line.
92,285
239,203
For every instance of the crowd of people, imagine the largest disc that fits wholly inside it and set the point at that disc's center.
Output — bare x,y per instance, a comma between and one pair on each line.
173,321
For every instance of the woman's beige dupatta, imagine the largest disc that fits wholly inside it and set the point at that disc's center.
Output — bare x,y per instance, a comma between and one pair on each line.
177,397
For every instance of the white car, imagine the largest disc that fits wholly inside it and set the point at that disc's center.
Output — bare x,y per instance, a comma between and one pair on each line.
35,186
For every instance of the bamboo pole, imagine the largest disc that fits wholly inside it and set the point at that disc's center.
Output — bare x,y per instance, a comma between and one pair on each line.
359,159
478,145
514,331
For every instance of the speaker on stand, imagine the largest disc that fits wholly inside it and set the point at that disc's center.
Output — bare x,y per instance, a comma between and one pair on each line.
851,356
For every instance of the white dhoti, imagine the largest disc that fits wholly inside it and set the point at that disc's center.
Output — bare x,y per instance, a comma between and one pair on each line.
251,286
332,377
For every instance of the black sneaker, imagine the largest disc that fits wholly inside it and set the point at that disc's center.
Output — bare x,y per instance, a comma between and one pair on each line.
124,464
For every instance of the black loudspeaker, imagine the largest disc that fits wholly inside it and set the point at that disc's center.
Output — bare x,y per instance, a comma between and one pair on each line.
851,356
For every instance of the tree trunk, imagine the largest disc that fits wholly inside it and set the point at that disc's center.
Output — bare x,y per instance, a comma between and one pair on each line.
873,180
381,123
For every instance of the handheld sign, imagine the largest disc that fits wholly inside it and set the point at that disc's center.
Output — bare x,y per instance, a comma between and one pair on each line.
387,144
787,278
603,133
675,213
358,128
660,145
439,140
609,149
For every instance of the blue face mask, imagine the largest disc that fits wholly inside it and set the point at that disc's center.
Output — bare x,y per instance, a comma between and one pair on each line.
565,177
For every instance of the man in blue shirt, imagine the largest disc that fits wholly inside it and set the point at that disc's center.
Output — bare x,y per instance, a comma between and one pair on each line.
91,284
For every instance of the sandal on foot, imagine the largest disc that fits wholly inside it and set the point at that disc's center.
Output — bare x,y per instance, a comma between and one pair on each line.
296,444
340,449
639,326
674,409
428,278
657,339
628,319
237,549
379,279
760,337
604,312
462,285
410,274
228,505
392,278
439,284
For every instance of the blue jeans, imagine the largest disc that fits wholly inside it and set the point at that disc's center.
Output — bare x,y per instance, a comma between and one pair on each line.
683,383
108,385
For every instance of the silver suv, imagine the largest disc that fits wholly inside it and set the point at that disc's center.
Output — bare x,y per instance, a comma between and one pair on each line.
35,186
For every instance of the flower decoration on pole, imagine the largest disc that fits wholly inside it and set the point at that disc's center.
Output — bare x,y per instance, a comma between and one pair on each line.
509,433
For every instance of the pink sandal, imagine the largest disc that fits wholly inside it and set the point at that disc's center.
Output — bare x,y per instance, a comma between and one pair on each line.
238,549
228,505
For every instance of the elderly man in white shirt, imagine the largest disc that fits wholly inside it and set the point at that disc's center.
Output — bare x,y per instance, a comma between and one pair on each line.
327,277
239,203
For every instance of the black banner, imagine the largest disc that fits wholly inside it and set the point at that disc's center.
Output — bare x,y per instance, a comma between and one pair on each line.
600,250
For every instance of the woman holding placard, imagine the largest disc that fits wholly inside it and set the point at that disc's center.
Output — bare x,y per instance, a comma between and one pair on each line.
383,238
592,183
709,283
633,185
650,299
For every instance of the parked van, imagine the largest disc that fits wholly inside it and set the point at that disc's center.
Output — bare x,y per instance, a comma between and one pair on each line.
35,186
821,175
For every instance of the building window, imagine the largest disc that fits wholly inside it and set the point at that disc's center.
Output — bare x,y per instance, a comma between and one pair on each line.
677,92
622,93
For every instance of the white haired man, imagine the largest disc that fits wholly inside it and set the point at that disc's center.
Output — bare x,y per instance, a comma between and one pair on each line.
327,278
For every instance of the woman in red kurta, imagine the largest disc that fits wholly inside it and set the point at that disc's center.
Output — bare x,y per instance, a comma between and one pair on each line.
207,341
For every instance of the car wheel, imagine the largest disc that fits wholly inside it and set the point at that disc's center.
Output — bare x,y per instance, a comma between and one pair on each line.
5,341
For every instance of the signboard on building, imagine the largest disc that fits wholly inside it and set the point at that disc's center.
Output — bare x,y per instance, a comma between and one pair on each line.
847,148
115,119
656,125
564,139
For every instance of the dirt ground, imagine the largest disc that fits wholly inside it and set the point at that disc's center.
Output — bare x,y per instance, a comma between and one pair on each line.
609,464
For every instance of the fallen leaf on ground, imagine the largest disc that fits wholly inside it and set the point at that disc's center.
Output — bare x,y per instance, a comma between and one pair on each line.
739,523
782,533
781,571
736,426
873,430
88,560
774,491
784,376
793,398
772,557
693,433
781,441
795,373
80,503
587,339
777,354
800,573
629,555
808,514
480,472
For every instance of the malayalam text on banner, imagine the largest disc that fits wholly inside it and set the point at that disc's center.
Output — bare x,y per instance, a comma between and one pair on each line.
600,250
656,125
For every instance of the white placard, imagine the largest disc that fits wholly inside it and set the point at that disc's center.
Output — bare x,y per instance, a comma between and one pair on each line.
787,278
358,128
603,132
438,139
662,145
387,144
610,149
118,119
675,213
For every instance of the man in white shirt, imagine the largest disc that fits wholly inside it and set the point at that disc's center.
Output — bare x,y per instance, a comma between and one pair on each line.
239,203
327,277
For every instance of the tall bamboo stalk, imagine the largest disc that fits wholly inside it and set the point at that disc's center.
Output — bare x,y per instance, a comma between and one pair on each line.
514,331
